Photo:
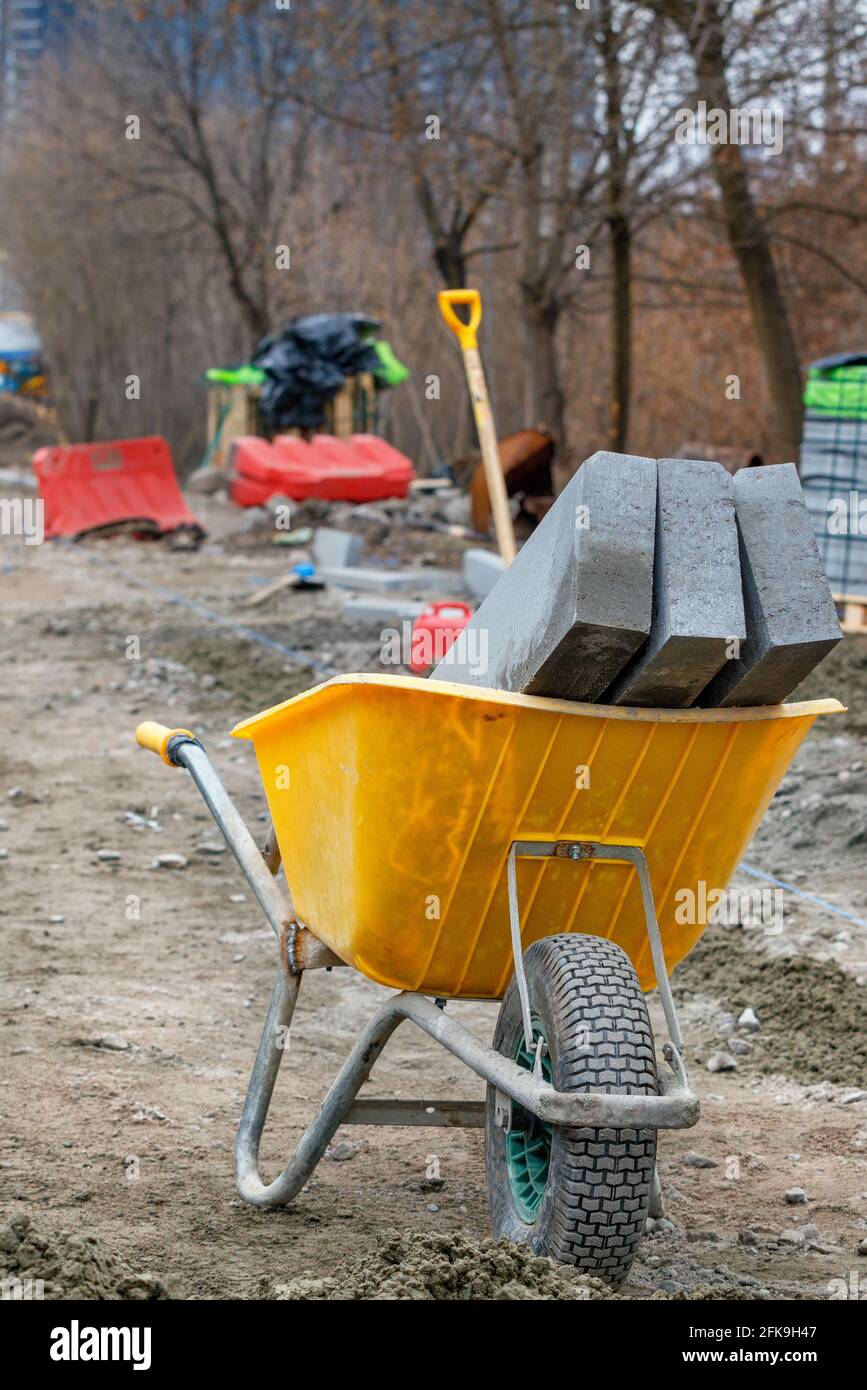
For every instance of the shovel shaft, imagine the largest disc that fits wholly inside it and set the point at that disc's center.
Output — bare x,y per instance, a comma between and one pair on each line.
503,527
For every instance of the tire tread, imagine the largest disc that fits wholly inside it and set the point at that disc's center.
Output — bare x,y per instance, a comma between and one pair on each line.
594,1217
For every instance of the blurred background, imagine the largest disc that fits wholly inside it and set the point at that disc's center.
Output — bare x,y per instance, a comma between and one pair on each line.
177,180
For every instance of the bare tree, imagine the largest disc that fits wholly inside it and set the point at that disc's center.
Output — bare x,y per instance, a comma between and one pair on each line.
439,122
220,139
718,42
178,147
543,66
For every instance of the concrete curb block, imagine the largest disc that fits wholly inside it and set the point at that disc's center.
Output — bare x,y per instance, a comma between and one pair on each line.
698,611
790,615
575,604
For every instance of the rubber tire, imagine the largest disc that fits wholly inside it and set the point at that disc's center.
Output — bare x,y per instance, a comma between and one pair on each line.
596,1024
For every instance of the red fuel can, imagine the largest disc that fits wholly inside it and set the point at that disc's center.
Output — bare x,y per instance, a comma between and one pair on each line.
434,631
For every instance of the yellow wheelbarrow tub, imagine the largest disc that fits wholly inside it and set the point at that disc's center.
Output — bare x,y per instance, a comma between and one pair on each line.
395,802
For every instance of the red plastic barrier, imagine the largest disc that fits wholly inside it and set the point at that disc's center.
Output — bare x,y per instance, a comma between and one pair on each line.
87,486
252,457
363,469
248,492
255,461
374,469
434,631
392,463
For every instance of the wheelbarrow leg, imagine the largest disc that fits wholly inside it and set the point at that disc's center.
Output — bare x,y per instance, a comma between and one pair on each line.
272,1045
656,1206
332,1112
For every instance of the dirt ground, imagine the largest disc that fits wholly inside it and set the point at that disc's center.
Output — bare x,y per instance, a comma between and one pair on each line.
132,996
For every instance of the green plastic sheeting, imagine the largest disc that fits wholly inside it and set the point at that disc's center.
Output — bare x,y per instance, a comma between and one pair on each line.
247,375
391,370
838,391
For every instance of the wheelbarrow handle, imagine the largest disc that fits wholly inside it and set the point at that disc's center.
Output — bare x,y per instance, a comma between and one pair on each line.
180,748
157,737
466,332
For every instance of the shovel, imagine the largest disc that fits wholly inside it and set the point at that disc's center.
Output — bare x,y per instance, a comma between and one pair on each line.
466,336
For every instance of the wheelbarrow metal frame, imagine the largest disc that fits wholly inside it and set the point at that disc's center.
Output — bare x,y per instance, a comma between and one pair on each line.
676,1107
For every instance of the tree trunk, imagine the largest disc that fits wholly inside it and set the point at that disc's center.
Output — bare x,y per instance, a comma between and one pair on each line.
254,313
619,233
620,237
546,394
749,242
450,261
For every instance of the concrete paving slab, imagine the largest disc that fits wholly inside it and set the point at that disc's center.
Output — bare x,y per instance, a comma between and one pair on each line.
481,569
382,610
430,582
335,549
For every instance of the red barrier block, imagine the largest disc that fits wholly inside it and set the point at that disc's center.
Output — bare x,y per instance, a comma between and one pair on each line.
248,492
393,466
88,486
361,469
255,472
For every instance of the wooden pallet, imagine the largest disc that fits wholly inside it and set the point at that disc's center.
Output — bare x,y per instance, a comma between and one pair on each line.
852,611
234,410
353,410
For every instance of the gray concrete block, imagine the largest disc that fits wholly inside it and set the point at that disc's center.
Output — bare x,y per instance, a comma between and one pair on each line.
426,582
481,569
698,611
439,583
791,620
365,580
575,604
336,549
382,610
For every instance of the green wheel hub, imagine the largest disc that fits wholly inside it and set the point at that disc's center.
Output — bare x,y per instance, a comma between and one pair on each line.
528,1146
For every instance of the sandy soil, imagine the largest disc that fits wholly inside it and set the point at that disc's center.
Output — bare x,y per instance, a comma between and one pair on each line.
127,1041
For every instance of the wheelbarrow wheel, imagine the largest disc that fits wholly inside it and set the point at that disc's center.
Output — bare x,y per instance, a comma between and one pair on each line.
578,1195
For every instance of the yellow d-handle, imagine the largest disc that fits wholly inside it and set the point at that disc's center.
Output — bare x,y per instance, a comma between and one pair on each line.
466,332
155,737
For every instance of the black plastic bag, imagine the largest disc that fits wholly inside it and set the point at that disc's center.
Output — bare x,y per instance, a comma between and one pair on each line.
307,362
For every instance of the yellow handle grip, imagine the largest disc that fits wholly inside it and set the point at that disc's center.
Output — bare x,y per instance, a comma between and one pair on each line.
155,737
466,332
